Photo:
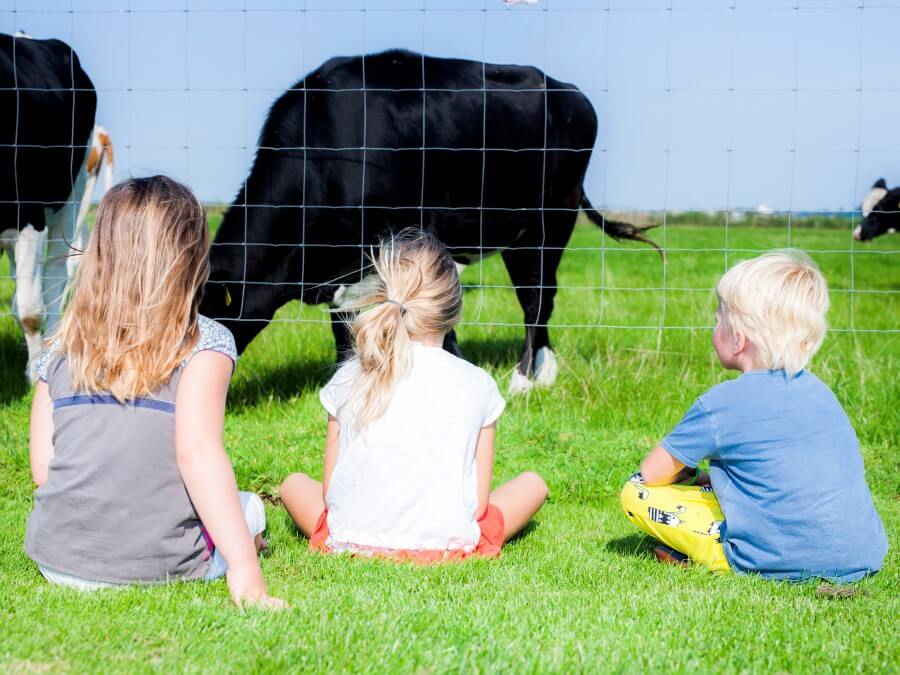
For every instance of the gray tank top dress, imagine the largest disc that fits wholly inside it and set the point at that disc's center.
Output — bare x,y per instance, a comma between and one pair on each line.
114,508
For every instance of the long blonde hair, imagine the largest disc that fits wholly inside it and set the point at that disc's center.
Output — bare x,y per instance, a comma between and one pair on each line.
414,290
132,316
778,301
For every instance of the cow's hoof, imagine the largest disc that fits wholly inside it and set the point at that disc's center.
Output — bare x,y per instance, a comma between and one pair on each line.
519,384
545,367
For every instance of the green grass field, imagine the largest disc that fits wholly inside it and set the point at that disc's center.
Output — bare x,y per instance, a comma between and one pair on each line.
579,590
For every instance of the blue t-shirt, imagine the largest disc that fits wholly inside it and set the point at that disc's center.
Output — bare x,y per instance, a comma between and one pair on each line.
786,468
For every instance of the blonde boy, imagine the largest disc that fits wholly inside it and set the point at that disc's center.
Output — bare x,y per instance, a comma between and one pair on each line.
786,496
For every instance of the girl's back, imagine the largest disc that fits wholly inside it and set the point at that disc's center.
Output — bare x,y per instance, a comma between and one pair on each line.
408,480
114,506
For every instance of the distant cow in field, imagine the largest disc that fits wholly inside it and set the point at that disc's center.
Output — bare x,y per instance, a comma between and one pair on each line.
486,157
880,212
47,109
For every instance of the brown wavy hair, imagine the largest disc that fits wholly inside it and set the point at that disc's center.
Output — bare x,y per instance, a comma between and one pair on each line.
132,316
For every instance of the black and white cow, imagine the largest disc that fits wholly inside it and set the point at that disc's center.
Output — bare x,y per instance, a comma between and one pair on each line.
47,109
880,212
486,157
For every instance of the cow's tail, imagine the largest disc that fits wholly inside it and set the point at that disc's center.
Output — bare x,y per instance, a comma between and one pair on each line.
616,229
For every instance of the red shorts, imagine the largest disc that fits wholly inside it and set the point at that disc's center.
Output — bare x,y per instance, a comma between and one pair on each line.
489,544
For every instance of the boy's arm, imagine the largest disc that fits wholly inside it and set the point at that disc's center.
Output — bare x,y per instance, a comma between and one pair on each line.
41,433
661,468
674,458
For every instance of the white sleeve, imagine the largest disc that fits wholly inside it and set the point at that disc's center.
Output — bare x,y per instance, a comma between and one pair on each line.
216,338
39,369
329,395
494,403
334,394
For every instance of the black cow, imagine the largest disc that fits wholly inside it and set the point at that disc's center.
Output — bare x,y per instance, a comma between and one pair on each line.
486,157
880,212
47,108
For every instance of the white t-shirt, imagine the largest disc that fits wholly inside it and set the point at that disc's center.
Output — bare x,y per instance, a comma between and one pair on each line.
408,480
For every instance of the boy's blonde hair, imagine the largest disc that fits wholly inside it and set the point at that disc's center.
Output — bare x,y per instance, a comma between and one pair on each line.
414,290
132,317
777,301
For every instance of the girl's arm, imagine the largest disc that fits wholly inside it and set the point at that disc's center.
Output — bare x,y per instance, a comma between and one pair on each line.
207,472
41,433
332,443
484,465
661,468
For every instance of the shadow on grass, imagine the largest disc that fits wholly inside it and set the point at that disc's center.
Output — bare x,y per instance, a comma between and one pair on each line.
524,532
279,383
497,352
13,358
636,545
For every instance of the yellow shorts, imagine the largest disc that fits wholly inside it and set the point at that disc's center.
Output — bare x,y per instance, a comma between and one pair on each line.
684,517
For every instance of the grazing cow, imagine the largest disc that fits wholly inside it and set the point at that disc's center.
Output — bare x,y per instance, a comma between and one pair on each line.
47,108
880,212
486,157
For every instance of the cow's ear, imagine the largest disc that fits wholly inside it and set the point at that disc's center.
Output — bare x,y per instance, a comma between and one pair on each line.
880,184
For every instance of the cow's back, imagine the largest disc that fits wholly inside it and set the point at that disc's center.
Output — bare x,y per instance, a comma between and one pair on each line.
369,148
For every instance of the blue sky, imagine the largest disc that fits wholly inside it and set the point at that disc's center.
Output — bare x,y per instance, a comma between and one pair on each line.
785,103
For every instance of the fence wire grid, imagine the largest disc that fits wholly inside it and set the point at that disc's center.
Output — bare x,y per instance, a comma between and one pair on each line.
731,230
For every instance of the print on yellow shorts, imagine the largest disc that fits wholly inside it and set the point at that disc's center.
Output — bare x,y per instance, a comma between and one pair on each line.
684,517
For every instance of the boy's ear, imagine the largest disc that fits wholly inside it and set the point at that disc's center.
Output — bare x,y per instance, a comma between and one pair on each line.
740,343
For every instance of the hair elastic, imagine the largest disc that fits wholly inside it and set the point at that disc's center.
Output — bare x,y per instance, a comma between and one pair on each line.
399,304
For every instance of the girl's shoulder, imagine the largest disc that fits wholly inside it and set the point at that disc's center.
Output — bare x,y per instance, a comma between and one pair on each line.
468,371
215,337
41,366
337,390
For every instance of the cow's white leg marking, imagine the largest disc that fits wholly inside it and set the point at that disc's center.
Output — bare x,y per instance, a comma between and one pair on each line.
27,298
338,299
519,383
61,263
545,367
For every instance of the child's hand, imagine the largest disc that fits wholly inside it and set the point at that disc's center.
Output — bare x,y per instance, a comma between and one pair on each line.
247,587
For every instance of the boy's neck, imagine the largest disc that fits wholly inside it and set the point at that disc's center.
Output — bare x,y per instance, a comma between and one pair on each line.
747,361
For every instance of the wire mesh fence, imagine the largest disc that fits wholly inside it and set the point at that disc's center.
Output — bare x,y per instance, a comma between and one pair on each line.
730,127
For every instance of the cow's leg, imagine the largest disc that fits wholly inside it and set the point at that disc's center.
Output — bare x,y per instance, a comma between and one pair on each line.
61,259
79,236
451,344
343,342
25,265
533,273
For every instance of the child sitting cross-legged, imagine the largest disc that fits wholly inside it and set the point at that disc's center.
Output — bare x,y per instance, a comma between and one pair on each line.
786,496
409,451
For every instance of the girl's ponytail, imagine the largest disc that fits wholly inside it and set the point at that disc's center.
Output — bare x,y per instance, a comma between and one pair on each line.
414,290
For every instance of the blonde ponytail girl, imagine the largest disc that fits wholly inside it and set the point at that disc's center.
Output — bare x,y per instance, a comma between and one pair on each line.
414,291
